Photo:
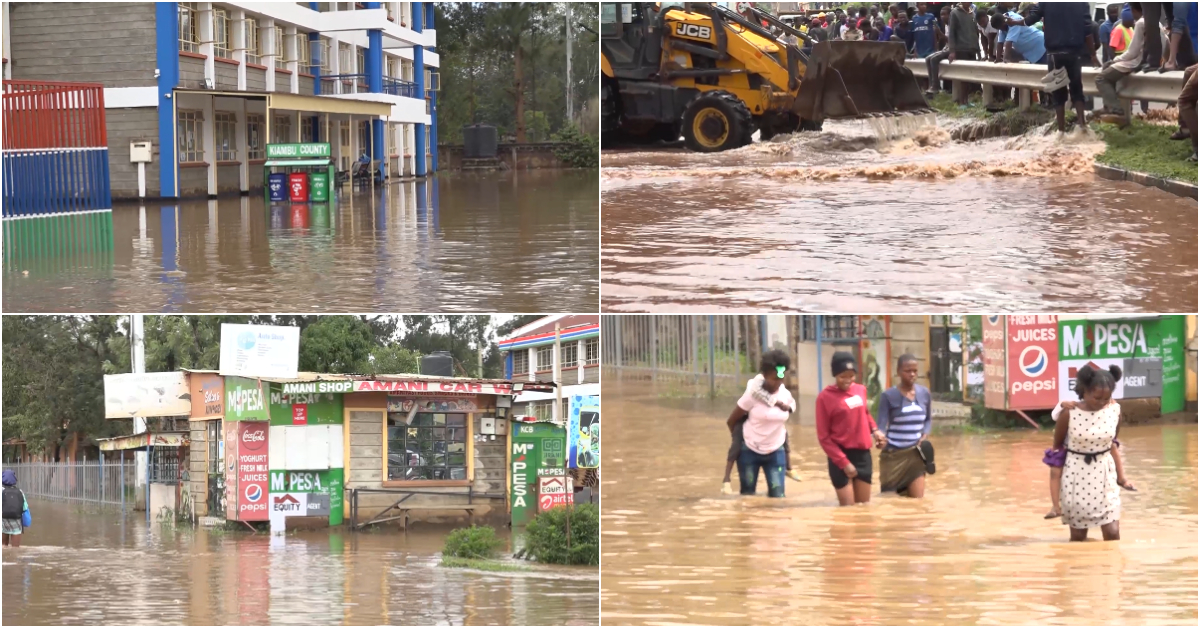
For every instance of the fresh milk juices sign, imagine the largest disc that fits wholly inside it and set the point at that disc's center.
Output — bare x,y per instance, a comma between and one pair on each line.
252,470
1032,361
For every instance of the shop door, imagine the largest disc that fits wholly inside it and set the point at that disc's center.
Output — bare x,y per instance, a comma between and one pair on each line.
941,364
216,469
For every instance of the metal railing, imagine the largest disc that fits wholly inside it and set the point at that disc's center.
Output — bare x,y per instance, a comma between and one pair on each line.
695,350
1027,77
357,84
94,482
397,87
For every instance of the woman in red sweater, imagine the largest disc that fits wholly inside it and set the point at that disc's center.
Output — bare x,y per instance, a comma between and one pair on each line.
845,429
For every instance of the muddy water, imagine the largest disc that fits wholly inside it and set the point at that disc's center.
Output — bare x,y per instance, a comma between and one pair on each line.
841,221
497,242
86,567
974,551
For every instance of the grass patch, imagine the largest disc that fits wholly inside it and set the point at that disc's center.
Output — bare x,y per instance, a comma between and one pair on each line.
1144,147
481,564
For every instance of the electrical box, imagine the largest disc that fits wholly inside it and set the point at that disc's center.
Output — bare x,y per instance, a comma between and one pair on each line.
503,401
139,152
492,425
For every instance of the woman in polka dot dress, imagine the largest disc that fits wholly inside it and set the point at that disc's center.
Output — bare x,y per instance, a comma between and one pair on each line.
1091,486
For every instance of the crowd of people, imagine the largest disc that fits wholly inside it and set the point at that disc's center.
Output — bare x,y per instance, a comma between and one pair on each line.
1086,470
1059,35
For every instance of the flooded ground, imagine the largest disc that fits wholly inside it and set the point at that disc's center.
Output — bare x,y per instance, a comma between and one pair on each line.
508,242
83,566
974,551
837,220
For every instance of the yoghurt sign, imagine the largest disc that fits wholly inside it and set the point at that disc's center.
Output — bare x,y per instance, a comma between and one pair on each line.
252,471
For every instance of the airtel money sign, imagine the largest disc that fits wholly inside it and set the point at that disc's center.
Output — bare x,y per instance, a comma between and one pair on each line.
1032,361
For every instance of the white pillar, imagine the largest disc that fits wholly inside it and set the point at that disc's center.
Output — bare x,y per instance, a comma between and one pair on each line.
335,60
243,151
290,49
240,37
267,36
210,142
205,16
295,126
581,358
532,363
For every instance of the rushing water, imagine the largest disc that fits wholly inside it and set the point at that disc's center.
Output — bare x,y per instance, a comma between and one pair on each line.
975,550
839,221
82,566
518,242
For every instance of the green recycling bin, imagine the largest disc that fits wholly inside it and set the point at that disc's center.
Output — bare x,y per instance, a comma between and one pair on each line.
318,187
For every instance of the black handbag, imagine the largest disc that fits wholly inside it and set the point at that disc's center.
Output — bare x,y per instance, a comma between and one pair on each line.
925,449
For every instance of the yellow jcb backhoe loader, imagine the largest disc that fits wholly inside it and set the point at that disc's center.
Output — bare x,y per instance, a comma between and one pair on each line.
713,76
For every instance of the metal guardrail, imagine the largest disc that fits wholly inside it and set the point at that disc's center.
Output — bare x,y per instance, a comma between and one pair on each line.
407,494
94,482
1154,87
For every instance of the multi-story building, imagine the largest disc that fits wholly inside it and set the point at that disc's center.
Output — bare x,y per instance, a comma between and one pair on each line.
209,84
529,355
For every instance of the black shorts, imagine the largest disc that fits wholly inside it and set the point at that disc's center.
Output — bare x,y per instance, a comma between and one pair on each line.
860,458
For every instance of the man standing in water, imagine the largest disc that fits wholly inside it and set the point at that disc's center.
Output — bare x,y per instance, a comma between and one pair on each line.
1068,38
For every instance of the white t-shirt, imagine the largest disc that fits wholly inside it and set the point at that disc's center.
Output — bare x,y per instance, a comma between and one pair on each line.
766,428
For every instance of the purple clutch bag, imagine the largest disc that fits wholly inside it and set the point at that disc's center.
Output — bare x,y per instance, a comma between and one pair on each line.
1055,457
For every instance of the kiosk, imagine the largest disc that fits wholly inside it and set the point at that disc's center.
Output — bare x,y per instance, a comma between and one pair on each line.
298,173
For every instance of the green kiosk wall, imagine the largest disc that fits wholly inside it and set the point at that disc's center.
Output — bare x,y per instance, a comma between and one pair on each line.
535,446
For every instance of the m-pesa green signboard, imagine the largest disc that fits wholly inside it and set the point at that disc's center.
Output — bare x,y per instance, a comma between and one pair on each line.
1133,344
305,408
297,151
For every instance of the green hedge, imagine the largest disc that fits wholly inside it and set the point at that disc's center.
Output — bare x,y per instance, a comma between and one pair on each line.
472,542
546,536
577,149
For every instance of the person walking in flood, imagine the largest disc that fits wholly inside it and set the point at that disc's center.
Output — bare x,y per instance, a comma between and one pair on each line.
845,430
1091,484
905,418
15,510
765,408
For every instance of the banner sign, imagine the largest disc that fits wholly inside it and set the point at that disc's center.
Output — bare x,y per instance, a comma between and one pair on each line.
319,493
436,387
583,432
260,350
1032,361
208,395
244,400
408,404
146,394
995,382
1148,351
305,408
297,151
252,469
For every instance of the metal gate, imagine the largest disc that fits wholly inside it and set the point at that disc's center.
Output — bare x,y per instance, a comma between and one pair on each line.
702,351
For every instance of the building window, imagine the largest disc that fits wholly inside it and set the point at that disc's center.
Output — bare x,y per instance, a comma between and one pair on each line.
282,130
391,139
570,354
406,70
326,63
344,136
254,134
253,51
305,53
164,465
307,129
545,358
432,447
520,362
344,59
221,38
189,41
191,137
361,56
591,348
226,132
364,138
833,328
280,57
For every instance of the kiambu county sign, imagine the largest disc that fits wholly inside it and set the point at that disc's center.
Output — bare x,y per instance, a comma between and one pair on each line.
297,151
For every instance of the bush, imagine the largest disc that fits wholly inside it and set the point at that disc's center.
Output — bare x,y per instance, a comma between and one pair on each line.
576,149
472,542
546,535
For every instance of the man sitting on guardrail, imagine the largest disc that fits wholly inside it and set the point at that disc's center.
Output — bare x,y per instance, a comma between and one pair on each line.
1187,105
1121,67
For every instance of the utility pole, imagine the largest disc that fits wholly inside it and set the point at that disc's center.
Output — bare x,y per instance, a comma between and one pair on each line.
557,415
137,344
570,108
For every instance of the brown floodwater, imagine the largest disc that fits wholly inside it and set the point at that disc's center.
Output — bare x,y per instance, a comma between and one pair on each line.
839,221
974,551
508,242
85,566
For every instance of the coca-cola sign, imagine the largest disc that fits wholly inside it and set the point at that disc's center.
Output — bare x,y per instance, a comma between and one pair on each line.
253,438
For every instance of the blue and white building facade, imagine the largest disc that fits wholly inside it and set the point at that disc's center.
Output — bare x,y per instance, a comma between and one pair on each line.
529,355
209,84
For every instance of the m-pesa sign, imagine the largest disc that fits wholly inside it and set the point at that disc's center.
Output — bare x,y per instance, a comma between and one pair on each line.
434,387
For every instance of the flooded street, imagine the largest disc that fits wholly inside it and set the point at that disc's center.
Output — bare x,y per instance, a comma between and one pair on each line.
837,221
515,241
79,565
974,551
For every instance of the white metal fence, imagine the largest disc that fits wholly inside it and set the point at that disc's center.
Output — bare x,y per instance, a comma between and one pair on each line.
110,483
703,351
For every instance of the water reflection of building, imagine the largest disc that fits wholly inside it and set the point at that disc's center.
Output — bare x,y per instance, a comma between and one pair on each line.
208,84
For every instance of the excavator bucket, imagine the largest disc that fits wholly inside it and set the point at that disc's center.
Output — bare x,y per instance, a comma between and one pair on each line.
851,79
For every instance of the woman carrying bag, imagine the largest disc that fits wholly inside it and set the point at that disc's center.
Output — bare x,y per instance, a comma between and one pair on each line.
905,418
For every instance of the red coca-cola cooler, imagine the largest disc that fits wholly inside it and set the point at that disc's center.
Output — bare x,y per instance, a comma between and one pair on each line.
298,187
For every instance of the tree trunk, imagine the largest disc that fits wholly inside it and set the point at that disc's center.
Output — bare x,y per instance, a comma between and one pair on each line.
519,86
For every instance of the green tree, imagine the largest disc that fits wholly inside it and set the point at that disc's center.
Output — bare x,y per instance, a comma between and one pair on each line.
335,344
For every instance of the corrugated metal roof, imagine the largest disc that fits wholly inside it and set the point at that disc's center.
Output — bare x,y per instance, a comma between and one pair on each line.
308,376
547,324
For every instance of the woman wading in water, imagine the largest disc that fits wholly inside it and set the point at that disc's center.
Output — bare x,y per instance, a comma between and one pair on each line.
1091,486
845,429
905,418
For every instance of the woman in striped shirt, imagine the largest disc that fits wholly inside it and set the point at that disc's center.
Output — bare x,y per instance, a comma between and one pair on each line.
905,417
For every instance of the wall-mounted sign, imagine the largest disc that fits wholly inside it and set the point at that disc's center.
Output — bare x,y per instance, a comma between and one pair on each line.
297,151
1149,352
407,404
583,432
305,408
208,395
308,388
547,502
1032,361
436,387
245,400
551,485
252,470
260,350
320,492
146,394
995,383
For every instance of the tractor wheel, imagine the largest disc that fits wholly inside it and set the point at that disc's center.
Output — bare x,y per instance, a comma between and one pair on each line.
610,116
809,125
716,121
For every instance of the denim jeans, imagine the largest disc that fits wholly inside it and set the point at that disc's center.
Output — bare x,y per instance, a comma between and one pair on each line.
772,464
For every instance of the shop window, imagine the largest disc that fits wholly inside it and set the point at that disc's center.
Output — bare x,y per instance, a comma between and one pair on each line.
431,447
545,358
253,46
221,38
164,465
190,135
281,131
189,40
254,134
591,348
520,362
570,354
226,131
